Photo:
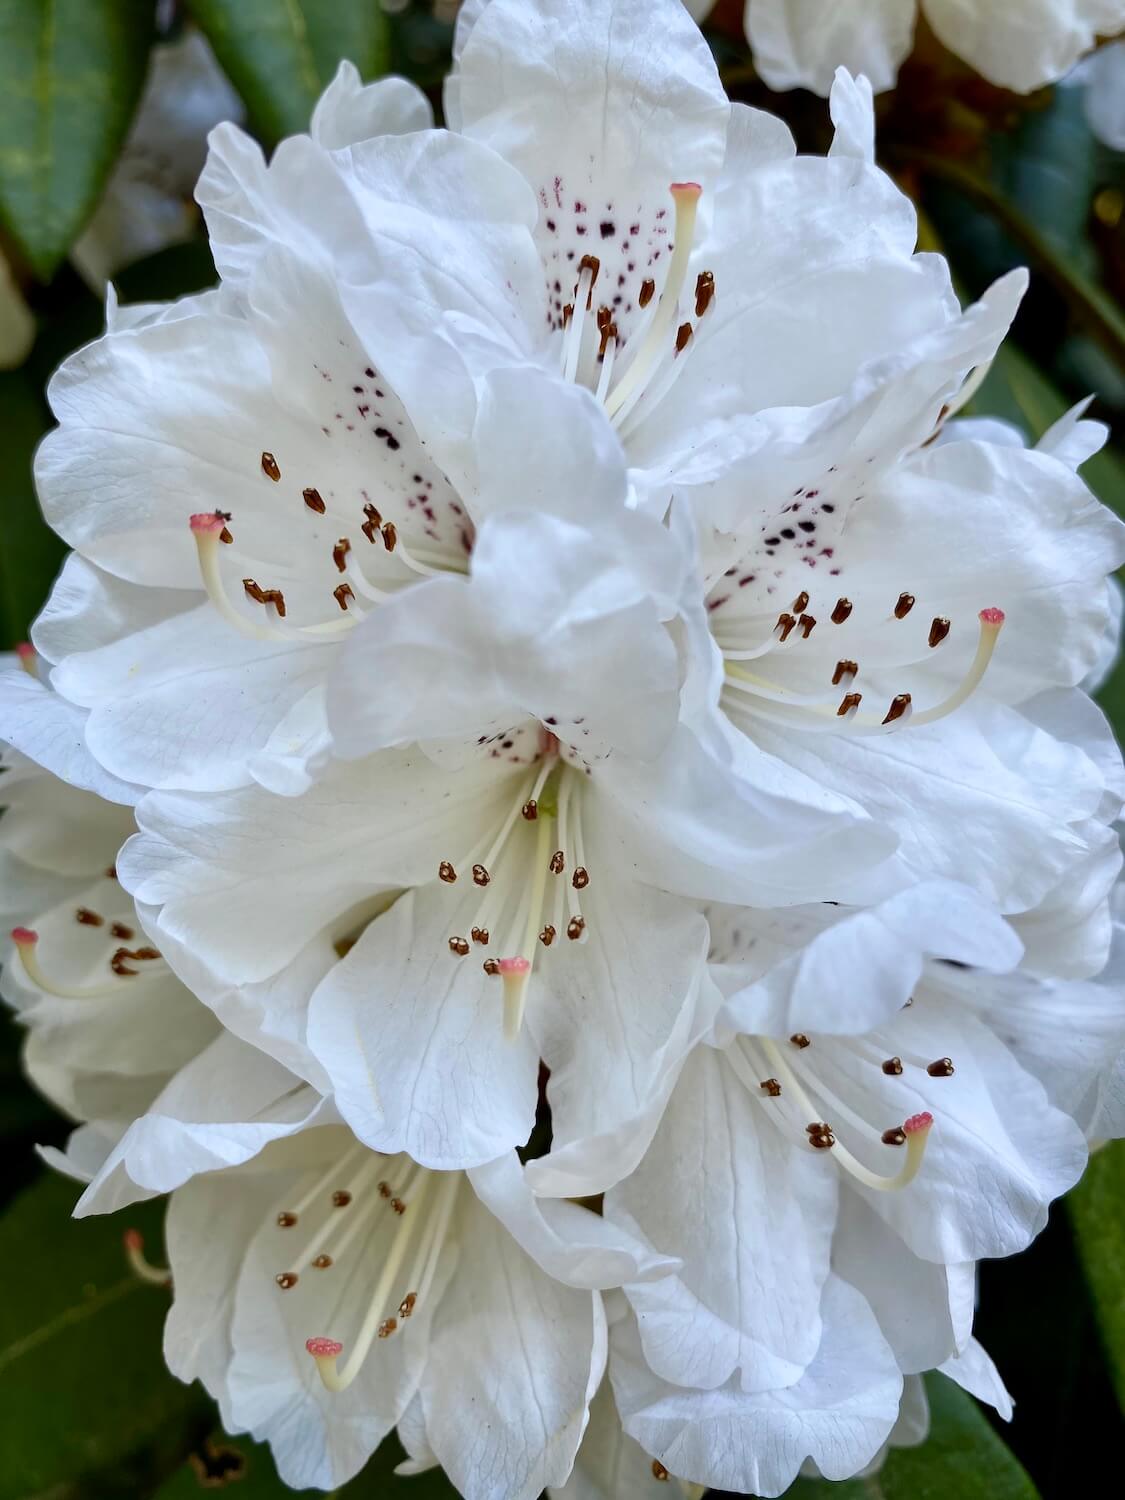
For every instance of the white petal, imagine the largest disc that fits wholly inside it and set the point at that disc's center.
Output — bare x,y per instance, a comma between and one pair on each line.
50,731
751,1218
800,43
974,1371
838,1413
882,950
853,115
350,111
610,1465
412,1039
1024,46
569,1242
514,1360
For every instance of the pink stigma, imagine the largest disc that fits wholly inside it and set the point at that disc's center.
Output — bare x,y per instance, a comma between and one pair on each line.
686,187
514,966
25,650
24,935
324,1348
207,523
133,1239
991,617
918,1122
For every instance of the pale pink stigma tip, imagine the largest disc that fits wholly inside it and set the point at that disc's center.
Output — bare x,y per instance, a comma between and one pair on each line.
686,187
918,1122
207,523
133,1239
324,1348
514,966
24,935
991,617
25,650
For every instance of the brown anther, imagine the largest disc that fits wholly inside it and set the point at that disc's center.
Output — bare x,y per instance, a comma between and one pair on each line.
265,596
799,1039
340,554
893,1067
119,930
942,1068
383,1189
659,1471
704,292
387,1327
939,629
322,1262
557,863
603,318
491,966
647,292
341,1198
286,1220
459,946
847,703
88,918
896,1136
822,1142
122,969
592,264
771,1087
313,500
547,936
389,535
904,606
683,337
446,872
225,535
480,935
800,604
786,623
286,1280
270,468
144,954
575,928
480,875
567,314
407,1305
807,622
845,668
581,878
371,525
398,1206
110,872
842,611
530,809
342,593
898,707
818,1127
608,332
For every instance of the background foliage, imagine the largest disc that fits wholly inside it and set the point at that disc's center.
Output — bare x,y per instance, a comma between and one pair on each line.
87,1407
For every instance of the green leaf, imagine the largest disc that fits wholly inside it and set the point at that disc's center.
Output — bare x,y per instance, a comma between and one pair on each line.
31,553
71,73
85,1395
962,1457
222,1460
280,54
1097,1212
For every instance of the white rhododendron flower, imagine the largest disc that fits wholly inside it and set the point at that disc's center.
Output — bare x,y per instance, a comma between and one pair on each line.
1021,46
887,1135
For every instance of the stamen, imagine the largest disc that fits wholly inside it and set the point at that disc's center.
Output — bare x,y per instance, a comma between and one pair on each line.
841,612
904,606
991,623
939,629
270,468
686,197
134,1244
313,500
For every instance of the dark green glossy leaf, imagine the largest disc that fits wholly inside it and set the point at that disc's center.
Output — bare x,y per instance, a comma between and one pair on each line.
962,1458
88,1406
239,1461
1097,1212
280,54
30,553
70,75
